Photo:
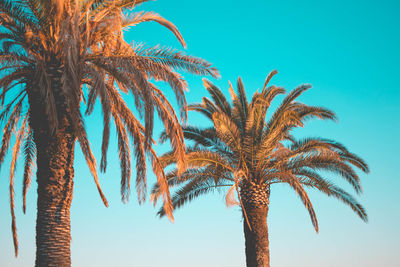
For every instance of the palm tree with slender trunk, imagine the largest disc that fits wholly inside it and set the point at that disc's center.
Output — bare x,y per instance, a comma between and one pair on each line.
56,59
245,153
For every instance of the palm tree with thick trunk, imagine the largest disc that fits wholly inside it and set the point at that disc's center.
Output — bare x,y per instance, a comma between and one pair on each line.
56,59
246,153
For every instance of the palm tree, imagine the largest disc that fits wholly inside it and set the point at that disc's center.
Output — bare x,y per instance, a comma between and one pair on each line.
245,154
56,59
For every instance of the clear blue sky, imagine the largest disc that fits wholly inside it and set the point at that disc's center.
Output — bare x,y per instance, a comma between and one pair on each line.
348,51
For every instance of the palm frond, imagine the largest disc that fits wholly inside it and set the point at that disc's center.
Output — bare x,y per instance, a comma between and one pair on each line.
162,184
30,156
314,180
90,159
228,132
269,77
218,97
16,149
124,158
187,193
298,188
201,158
9,128
177,60
242,101
172,127
136,18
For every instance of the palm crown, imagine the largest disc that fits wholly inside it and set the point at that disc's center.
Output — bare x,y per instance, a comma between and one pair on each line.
246,153
58,57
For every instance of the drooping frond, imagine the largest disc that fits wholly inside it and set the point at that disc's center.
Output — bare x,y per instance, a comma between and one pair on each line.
136,18
312,179
136,132
291,180
219,177
17,146
30,156
124,158
162,184
9,128
330,163
188,192
172,127
90,159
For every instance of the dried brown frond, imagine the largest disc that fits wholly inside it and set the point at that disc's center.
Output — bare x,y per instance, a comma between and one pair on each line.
230,197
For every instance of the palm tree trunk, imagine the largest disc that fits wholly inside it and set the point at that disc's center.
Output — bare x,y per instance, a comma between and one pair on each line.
55,185
256,238
255,200
55,172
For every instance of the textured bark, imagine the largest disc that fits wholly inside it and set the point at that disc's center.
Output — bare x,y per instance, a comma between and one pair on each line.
55,157
55,186
255,201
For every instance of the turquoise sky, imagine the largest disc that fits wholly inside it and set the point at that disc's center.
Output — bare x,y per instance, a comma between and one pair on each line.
348,51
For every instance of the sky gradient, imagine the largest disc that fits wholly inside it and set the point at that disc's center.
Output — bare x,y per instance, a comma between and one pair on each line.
348,51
